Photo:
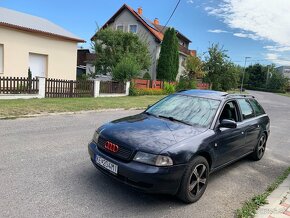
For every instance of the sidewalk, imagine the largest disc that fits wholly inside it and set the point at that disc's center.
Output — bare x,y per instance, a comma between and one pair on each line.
279,203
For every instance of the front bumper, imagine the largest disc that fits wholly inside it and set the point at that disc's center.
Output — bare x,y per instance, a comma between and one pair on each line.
141,176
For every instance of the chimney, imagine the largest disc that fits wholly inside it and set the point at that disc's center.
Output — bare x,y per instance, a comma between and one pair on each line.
140,11
192,53
156,21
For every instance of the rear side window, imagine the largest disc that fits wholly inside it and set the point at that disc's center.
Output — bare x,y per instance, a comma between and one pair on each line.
246,109
257,107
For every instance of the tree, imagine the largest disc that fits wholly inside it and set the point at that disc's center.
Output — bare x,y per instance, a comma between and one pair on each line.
168,63
111,46
215,65
29,76
257,75
194,67
277,82
230,77
222,74
127,69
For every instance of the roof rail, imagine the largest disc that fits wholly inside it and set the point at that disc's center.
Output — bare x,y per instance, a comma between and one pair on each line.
239,95
182,90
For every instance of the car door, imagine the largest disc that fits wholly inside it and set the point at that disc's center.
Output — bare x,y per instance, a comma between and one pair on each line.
229,142
250,124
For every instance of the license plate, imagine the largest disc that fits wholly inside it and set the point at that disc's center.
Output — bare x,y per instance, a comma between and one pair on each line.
113,168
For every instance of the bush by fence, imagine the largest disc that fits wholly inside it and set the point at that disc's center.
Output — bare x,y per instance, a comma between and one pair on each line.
156,87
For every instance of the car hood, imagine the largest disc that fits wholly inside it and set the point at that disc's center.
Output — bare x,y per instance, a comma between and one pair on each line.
147,133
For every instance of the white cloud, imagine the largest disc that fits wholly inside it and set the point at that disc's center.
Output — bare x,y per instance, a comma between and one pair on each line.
247,35
190,1
217,31
265,20
277,59
277,48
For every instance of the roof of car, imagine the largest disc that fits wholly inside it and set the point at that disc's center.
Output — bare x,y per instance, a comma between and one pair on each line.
213,94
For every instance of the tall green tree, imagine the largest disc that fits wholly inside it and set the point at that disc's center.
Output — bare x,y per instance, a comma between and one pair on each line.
194,67
168,63
257,74
215,65
127,69
112,46
230,77
222,74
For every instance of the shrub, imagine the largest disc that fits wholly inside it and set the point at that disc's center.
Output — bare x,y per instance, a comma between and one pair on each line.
169,88
185,84
145,91
132,89
127,69
150,91
147,76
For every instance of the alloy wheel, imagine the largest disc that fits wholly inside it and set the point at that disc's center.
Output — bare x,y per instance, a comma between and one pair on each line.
262,146
197,179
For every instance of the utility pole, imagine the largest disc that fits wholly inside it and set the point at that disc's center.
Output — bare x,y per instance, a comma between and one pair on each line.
246,58
267,78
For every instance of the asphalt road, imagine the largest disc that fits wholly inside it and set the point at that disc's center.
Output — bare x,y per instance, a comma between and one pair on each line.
45,171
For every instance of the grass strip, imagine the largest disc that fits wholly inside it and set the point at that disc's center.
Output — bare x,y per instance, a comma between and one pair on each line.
250,207
26,107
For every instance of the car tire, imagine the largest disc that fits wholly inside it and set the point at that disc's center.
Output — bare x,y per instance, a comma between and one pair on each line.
260,148
194,180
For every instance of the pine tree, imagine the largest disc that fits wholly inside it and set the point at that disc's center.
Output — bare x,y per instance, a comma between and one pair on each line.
168,63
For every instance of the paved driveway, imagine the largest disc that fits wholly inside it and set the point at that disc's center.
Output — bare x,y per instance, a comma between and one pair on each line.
45,171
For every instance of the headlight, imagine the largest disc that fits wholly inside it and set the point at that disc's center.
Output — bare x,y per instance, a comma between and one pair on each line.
96,136
152,159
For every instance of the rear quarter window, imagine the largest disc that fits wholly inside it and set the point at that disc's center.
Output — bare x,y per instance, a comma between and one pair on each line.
257,107
246,109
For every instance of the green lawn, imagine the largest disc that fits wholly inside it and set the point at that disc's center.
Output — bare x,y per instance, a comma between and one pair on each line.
21,107
285,94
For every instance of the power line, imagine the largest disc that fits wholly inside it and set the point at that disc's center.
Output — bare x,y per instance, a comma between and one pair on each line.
171,15
263,60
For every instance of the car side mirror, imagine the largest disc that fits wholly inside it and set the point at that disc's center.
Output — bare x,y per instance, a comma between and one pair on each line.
228,124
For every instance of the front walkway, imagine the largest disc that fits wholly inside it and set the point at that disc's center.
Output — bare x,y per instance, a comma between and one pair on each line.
279,203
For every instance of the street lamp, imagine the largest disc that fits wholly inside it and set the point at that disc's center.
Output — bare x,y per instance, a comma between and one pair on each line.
246,58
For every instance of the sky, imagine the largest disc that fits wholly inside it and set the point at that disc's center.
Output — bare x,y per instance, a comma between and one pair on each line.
259,29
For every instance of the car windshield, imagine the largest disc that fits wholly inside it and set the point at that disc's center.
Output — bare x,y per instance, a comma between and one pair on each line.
190,110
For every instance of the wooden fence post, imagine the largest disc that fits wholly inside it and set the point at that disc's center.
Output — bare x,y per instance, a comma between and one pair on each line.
71,86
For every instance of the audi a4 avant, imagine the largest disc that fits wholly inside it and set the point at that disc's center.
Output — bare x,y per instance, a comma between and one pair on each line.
175,144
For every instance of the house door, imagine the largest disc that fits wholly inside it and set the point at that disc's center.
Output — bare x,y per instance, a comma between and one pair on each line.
38,65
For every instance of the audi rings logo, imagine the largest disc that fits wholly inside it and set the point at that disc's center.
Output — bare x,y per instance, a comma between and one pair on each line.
111,147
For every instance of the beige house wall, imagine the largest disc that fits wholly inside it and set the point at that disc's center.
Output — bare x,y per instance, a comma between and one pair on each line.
61,54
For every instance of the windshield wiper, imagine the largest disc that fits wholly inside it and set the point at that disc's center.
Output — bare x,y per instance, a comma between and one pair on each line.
148,113
174,119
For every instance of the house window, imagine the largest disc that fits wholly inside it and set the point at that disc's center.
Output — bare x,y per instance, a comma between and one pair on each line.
1,58
133,28
120,27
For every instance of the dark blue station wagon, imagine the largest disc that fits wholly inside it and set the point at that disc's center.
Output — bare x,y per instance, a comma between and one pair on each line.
175,144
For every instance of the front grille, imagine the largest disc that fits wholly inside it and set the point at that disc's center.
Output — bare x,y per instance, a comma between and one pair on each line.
123,153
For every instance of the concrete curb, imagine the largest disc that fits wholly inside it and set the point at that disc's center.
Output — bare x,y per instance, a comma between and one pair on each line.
68,113
278,202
